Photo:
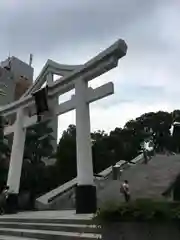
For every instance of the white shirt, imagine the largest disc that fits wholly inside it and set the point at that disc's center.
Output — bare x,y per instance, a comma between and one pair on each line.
126,187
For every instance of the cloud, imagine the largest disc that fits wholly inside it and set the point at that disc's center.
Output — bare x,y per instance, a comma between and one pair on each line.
135,94
44,28
72,32
115,116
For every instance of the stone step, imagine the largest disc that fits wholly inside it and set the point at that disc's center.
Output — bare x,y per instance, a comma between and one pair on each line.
45,220
52,226
3,237
45,234
49,225
69,217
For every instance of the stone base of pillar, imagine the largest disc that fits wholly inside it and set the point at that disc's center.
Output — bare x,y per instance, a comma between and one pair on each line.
12,203
86,201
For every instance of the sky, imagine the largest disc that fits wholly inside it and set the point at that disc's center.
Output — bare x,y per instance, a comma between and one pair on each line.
74,31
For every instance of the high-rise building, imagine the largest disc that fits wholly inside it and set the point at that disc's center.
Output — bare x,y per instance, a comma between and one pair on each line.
16,77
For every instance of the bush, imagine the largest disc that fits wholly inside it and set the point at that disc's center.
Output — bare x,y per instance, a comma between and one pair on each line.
141,210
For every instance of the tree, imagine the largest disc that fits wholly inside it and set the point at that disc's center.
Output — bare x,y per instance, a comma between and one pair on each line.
38,143
101,151
38,147
120,144
66,155
4,154
159,122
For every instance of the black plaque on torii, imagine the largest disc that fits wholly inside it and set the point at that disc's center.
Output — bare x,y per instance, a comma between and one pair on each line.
41,102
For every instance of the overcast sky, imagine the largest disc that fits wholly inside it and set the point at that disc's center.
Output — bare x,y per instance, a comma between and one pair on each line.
73,31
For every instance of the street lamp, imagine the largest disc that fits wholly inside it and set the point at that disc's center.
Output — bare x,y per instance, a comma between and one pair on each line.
113,157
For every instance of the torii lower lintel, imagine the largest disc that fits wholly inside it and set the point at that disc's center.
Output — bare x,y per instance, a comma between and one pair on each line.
92,95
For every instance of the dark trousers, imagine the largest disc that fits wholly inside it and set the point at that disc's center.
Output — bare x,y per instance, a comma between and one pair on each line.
127,197
3,206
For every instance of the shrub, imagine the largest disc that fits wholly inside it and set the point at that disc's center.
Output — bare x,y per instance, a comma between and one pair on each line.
141,210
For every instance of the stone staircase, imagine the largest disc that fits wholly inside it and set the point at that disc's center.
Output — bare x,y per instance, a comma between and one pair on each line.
149,180
60,198
64,225
146,180
57,224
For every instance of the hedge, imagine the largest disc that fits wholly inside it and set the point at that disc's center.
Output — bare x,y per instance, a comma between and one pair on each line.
140,210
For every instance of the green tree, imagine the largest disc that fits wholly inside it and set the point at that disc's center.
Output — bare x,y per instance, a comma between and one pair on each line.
121,143
38,148
159,122
66,155
38,144
101,151
4,154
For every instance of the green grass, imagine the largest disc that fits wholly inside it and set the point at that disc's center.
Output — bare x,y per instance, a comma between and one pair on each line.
140,210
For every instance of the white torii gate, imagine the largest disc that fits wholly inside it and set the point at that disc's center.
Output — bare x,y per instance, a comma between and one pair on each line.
73,77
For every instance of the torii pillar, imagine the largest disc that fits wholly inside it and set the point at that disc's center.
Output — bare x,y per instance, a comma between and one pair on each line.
16,160
86,190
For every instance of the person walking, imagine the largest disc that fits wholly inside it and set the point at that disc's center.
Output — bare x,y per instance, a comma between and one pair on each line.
125,190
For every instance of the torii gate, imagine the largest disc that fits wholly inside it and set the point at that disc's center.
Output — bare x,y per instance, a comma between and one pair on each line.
73,77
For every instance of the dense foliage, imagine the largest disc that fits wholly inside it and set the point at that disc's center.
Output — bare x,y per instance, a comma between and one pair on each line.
120,143
107,148
38,148
4,154
140,210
